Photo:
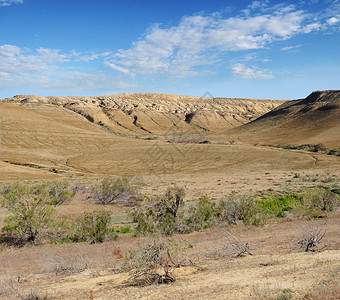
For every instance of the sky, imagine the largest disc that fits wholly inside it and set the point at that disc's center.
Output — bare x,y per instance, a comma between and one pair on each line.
243,49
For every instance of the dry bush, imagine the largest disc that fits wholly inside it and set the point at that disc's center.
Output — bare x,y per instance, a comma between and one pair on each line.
240,207
232,249
321,198
153,262
9,286
117,252
10,289
110,191
312,236
34,295
325,290
60,266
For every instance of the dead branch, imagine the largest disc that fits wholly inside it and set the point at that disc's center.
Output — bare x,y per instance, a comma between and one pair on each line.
312,236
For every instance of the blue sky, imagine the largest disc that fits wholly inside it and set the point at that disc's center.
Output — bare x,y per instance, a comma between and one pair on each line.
253,49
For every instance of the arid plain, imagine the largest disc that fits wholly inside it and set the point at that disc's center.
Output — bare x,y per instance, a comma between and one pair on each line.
208,146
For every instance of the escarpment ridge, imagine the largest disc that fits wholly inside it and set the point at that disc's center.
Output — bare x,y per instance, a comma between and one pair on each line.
157,114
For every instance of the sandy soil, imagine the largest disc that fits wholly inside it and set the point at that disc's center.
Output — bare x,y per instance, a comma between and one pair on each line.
77,271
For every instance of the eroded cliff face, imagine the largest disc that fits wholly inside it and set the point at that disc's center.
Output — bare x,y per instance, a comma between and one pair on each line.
157,114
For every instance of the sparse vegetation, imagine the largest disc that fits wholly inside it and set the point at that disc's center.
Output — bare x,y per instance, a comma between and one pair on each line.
156,260
314,202
335,152
160,214
33,214
110,191
312,148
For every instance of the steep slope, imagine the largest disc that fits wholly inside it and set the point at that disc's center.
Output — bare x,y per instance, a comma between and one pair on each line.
311,121
157,114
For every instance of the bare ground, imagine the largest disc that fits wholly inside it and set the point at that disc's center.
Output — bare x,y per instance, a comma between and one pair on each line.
278,265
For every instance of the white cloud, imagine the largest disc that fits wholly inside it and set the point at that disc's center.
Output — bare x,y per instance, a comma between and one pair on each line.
311,27
289,48
244,72
15,60
258,4
122,85
198,41
115,67
10,2
332,21
52,70
253,57
92,56
332,12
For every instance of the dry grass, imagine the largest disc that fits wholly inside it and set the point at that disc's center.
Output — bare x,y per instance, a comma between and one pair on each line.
277,264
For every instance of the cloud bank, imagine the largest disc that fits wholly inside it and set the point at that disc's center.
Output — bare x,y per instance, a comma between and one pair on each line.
200,41
199,45
10,2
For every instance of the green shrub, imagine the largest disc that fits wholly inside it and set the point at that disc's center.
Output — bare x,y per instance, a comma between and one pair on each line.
122,229
321,198
162,214
59,194
276,206
336,191
92,227
335,152
284,296
30,215
244,208
18,190
203,215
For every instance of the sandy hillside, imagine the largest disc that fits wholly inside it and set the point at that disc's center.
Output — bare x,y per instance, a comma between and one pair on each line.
314,120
